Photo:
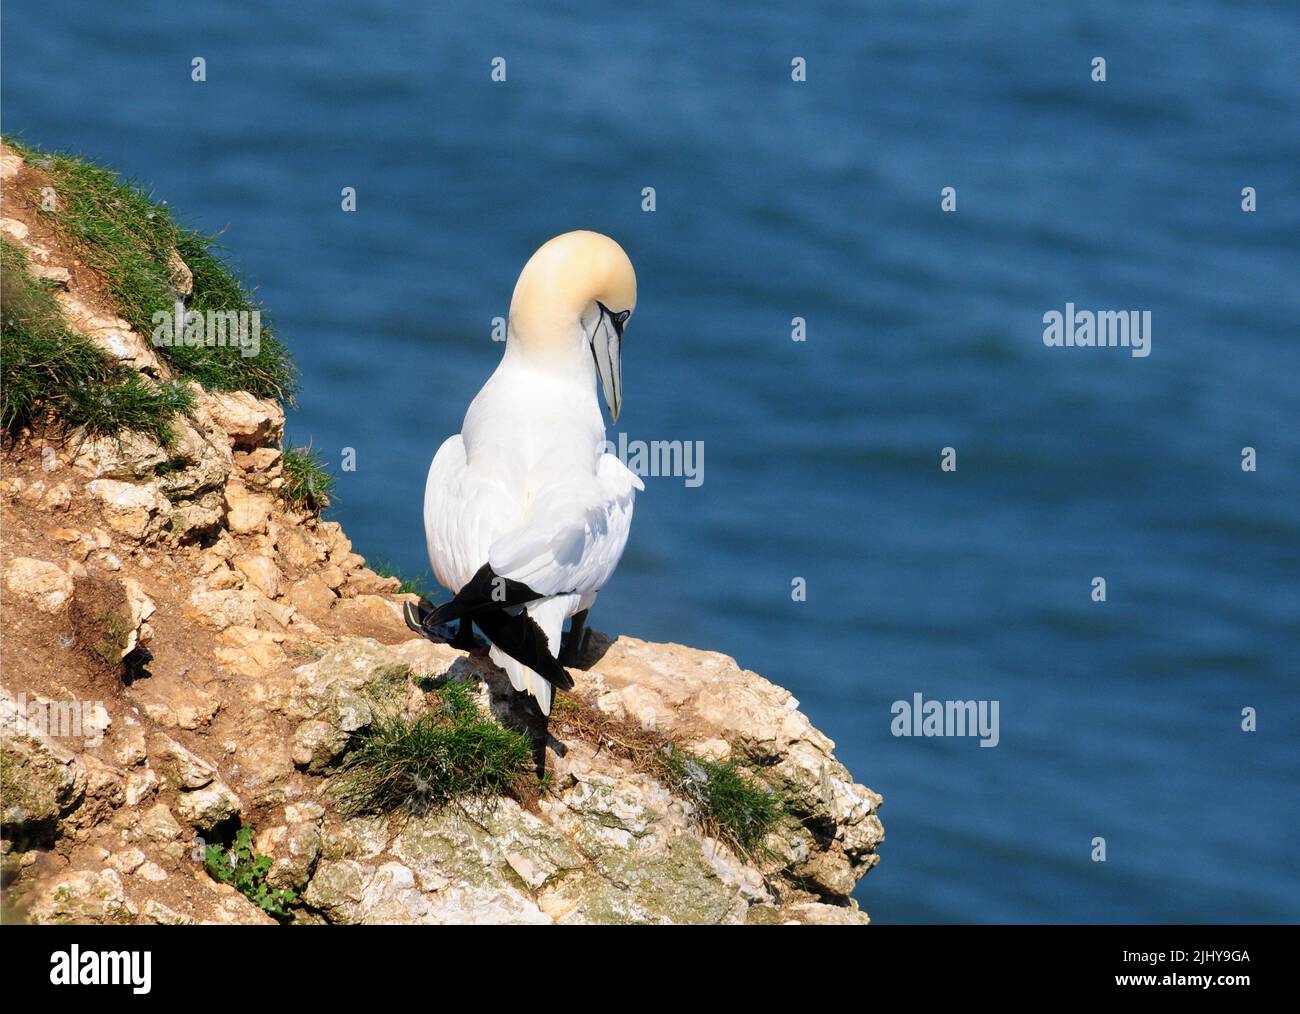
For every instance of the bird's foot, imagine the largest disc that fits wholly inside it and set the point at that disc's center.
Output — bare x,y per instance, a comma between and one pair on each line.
417,616
573,647
465,639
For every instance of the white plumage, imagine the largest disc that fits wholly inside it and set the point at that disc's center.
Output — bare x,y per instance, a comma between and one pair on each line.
526,486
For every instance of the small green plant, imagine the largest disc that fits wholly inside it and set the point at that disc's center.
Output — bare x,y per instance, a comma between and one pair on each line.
246,872
117,631
422,585
307,485
451,753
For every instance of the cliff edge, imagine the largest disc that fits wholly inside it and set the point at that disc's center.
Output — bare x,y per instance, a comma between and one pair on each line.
212,710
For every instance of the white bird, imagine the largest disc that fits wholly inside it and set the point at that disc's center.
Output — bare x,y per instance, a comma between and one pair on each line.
525,513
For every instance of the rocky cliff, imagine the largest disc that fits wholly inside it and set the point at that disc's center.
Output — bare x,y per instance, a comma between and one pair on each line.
187,651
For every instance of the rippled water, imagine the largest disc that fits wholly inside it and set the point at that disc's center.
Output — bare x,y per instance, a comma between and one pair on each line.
821,200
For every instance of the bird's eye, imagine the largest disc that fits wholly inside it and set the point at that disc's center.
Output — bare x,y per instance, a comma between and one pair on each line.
622,316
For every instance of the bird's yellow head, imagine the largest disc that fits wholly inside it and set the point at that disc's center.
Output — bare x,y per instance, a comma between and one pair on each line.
576,293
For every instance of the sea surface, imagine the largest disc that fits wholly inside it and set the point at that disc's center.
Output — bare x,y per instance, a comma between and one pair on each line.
821,199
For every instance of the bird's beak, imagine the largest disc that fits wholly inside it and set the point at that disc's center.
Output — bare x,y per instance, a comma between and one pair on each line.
606,349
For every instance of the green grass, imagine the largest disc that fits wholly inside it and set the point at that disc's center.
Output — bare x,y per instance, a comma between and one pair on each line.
240,867
128,238
307,484
731,805
451,753
48,370
726,802
422,585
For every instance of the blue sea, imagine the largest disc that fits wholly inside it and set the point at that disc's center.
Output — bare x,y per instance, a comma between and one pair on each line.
821,199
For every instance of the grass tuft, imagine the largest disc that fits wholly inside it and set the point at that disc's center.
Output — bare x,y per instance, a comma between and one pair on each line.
422,585
451,753
727,804
132,242
307,483
48,370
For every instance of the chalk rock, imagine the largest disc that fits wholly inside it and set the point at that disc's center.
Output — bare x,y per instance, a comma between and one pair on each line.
46,585
137,511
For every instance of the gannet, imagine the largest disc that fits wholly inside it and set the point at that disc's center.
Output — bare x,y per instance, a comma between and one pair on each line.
525,513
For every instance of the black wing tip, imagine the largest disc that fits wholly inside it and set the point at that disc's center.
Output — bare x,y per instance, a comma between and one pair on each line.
561,680
486,591
484,599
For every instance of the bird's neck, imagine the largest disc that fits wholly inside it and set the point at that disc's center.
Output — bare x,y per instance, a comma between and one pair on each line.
568,361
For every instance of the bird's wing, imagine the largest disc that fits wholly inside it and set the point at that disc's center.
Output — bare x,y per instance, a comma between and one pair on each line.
574,534
464,512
